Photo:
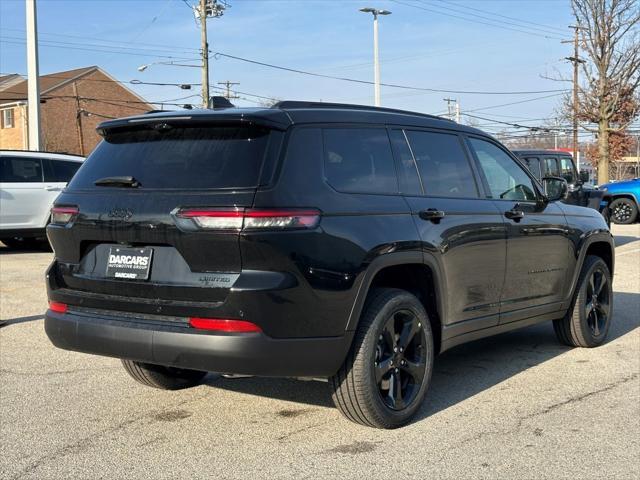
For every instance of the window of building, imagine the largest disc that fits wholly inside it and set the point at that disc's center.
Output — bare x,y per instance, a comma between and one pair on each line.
443,164
359,160
7,118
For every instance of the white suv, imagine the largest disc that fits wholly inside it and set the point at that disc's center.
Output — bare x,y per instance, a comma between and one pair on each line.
29,183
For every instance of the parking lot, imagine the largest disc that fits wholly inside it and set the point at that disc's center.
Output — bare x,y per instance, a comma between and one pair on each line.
519,405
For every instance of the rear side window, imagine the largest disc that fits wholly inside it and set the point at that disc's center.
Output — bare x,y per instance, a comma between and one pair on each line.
444,168
179,158
20,170
60,170
407,170
359,160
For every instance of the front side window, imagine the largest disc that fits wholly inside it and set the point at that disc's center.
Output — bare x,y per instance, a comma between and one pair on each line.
551,167
506,179
20,170
566,170
443,165
533,164
7,118
359,160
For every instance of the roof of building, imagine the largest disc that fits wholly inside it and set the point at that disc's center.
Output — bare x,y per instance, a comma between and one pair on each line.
12,90
7,80
18,90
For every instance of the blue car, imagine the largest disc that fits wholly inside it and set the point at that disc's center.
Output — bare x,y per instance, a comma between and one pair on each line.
623,199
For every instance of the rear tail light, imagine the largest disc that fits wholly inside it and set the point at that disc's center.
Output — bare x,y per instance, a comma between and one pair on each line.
224,325
63,215
246,219
58,307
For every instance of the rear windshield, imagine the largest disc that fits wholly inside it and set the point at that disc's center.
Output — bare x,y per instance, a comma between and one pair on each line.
181,158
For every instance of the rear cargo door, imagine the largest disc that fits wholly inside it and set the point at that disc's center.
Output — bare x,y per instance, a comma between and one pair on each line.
153,194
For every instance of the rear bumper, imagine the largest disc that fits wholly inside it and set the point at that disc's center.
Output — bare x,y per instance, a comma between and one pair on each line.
184,347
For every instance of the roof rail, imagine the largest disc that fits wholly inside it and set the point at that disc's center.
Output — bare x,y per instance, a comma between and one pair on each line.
294,104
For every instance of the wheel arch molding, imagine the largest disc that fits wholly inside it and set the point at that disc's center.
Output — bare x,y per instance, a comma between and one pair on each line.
388,262
598,243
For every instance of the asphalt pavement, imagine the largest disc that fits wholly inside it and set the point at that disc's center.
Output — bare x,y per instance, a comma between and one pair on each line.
517,406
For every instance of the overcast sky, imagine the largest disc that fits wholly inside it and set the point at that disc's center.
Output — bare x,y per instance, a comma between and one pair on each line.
472,45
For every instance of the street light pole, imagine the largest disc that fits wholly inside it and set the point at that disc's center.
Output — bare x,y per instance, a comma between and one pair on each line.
376,61
376,56
33,77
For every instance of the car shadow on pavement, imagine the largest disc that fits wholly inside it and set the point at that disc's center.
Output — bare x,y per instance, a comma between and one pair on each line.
459,373
14,321
621,240
4,250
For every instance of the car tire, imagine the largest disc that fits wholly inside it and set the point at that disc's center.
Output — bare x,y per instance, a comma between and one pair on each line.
159,376
624,211
368,388
588,321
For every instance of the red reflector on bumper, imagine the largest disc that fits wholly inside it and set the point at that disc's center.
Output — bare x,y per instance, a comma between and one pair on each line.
224,325
58,307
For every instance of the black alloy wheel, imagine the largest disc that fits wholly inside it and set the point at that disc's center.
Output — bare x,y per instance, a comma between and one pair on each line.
597,305
400,360
587,322
623,211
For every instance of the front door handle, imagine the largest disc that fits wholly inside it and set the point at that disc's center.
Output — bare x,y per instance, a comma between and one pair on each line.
432,215
514,214
52,188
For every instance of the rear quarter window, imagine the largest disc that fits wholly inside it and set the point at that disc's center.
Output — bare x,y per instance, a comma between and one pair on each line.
359,160
179,158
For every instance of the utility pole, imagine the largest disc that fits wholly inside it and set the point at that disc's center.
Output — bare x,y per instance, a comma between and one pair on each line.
33,76
576,63
205,9
228,95
78,120
450,109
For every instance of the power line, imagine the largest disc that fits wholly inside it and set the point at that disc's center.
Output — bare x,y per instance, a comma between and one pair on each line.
473,20
120,52
545,28
367,82
103,40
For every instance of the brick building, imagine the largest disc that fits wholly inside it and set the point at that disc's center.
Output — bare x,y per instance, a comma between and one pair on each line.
73,103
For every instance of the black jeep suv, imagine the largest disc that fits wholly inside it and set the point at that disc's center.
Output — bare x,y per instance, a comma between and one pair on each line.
553,163
315,240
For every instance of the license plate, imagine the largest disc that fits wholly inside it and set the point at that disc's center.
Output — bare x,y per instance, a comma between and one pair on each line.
129,263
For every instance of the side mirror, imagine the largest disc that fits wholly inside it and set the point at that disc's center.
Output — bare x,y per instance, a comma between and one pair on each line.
584,177
555,188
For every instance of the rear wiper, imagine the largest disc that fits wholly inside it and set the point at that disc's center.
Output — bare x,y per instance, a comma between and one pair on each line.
130,182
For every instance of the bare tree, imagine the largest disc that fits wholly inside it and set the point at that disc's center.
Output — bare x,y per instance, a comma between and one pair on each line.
610,36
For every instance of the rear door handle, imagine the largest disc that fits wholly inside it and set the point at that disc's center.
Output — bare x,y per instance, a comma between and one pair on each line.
514,214
432,215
